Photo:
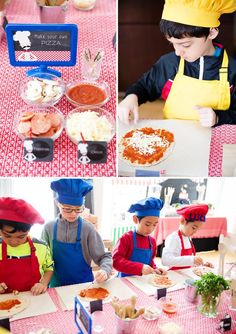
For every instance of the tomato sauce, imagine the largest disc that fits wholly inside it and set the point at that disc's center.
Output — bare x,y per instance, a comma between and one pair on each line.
9,303
87,94
169,308
96,293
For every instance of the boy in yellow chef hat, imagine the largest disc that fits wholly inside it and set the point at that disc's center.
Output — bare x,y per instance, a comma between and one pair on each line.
197,80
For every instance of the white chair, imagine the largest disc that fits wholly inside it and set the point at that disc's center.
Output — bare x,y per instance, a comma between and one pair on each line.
226,244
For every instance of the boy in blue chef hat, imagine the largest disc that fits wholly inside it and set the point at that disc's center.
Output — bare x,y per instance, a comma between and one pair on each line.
74,242
135,251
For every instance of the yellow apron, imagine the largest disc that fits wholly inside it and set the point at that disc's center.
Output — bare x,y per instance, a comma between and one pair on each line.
187,92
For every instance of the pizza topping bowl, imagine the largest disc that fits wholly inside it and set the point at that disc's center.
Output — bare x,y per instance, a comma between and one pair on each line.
9,304
88,93
145,146
45,90
39,123
168,305
96,124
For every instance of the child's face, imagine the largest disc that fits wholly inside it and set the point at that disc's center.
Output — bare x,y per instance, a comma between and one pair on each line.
192,48
146,225
70,212
188,229
13,239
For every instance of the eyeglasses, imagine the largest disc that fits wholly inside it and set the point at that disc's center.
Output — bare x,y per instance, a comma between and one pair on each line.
70,210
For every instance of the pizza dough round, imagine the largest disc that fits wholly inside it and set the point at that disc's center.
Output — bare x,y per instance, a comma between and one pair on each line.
6,299
162,281
95,290
201,270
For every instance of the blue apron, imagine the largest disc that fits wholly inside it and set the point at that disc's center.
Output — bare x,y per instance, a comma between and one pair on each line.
70,266
141,255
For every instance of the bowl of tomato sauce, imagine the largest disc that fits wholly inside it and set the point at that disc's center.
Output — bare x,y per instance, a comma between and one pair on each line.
84,93
168,305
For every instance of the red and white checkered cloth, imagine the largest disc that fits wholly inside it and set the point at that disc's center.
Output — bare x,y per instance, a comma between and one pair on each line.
62,322
224,134
96,30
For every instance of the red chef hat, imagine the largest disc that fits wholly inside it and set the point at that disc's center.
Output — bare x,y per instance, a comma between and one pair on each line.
18,210
195,212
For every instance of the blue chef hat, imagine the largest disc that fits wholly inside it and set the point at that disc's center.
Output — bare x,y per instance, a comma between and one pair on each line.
71,191
149,206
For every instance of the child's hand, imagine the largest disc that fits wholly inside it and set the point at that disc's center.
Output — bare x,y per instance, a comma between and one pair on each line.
128,106
3,287
198,261
38,288
207,116
147,269
100,276
160,271
209,264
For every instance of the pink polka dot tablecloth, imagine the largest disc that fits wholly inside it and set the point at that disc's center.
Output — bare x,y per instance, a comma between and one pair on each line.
96,31
224,134
187,316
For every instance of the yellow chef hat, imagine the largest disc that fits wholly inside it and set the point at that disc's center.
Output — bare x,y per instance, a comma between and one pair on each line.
199,13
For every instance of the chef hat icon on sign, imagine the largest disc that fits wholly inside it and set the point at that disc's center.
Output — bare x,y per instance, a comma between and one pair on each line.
23,38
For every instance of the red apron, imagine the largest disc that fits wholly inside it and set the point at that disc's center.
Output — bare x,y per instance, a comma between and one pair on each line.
185,251
19,273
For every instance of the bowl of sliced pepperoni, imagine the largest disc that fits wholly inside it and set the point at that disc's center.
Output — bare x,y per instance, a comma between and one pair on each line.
32,122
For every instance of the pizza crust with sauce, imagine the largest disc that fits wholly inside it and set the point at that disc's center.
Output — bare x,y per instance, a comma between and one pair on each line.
201,270
146,146
94,294
10,306
162,281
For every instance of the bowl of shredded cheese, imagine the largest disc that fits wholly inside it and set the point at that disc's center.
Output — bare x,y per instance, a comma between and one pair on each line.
90,123
169,327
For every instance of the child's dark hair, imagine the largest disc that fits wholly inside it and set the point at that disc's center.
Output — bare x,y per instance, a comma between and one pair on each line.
17,226
179,30
140,218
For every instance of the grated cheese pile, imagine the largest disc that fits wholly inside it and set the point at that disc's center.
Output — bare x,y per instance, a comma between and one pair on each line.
146,144
92,126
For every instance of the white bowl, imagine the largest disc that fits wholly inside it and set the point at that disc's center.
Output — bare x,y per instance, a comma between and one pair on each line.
38,122
42,90
95,124
86,96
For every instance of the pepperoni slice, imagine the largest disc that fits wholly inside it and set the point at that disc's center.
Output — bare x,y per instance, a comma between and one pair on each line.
26,116
40,124
24,127
55,120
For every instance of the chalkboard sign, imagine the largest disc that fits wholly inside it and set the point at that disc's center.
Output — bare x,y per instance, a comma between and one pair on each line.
38,149
92,152
82,318
42,44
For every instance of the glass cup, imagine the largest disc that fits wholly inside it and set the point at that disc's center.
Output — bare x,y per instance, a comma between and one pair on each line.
98,320
91,64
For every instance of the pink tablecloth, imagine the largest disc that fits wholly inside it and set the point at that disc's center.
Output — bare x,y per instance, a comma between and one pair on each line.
224,134
213,227
187,316
96,30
